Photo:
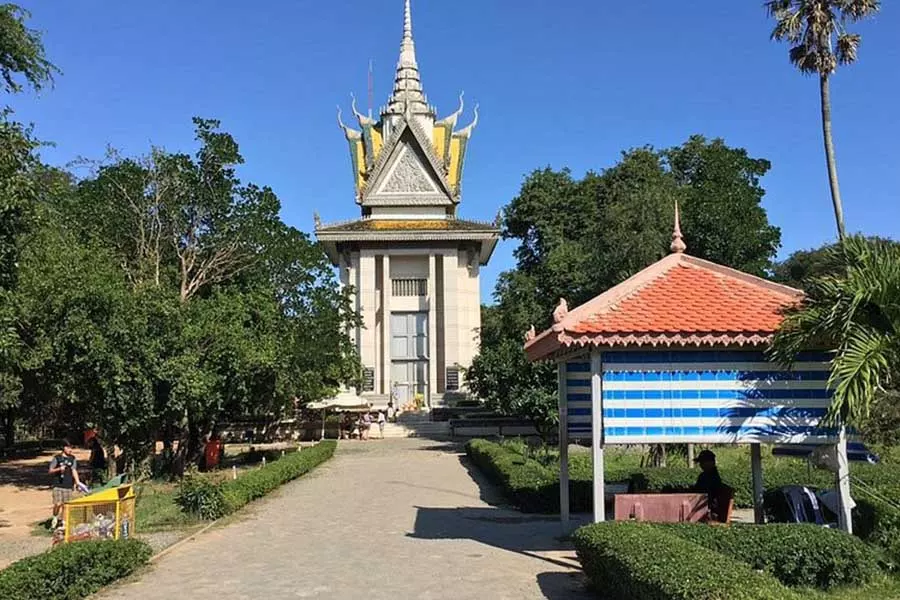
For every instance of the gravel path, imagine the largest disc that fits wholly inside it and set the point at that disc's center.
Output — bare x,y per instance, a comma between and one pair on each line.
392,519
15,548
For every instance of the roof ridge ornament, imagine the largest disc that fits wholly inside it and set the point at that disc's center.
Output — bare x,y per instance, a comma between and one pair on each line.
350,134
562,309
678,246
467,130
363,119
530,334
452,118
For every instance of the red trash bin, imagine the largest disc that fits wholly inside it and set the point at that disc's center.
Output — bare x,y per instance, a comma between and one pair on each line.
212,452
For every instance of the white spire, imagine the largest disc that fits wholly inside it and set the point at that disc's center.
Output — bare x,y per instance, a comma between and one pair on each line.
407,84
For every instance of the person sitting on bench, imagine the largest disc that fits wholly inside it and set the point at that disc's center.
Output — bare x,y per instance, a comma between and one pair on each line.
709,482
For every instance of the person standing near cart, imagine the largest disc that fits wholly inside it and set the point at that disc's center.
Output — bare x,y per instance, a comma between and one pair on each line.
64,469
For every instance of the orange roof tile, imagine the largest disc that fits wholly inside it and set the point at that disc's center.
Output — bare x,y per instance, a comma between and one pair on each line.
680,300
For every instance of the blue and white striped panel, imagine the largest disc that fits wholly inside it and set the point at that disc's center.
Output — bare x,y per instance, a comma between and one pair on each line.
578,398
703,396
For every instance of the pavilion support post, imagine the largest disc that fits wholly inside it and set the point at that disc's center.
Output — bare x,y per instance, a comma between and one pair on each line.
563,447
597,437
690,455
842,483
759,515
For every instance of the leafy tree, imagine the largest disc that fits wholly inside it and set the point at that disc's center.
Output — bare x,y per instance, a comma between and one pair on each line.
817,33
22,62
22,59
855,314
802,266
720,196
578,238
240,313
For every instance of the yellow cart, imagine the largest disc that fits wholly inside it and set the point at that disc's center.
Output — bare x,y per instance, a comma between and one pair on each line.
103,515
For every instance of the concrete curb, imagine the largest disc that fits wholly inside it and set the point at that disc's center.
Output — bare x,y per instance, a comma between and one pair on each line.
181,542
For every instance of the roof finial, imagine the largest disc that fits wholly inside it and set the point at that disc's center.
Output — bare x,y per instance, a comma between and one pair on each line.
678,246
407,22
407,84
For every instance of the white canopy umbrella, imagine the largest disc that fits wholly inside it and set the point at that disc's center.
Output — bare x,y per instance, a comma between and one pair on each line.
343,402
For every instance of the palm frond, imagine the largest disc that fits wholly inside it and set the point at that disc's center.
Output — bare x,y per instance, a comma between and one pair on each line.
854,313
854,10
858,372
847,47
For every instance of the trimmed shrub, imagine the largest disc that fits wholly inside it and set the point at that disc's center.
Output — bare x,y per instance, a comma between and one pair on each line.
256,484
797,555
878,523
534,487
200,496
637,561
72,571
209,500
528,484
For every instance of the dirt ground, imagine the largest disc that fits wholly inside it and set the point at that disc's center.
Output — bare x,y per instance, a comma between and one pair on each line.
25,491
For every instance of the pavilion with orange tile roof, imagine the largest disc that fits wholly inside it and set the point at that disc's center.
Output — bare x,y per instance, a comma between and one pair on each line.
676,354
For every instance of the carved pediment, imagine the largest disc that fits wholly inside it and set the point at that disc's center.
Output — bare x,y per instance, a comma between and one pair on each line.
406,174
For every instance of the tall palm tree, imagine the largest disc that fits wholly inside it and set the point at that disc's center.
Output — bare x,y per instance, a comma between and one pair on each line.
816,31
855,314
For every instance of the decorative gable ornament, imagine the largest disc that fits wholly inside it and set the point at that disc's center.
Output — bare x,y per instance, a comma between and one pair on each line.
407,172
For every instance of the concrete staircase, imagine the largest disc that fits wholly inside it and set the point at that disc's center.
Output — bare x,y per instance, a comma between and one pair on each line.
416,424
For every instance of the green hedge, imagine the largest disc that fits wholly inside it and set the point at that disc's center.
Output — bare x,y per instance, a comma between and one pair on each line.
528,484
208,500
879,523
637,561
534,487
72,571
797,555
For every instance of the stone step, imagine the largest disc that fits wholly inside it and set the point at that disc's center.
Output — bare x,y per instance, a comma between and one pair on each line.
425,429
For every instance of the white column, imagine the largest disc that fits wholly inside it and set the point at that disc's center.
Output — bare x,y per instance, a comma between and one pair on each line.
845,521
451,308
367,304
756,468
386,322
563,447
432,328
597,436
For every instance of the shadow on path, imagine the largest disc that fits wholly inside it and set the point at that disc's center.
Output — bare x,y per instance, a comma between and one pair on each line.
535,536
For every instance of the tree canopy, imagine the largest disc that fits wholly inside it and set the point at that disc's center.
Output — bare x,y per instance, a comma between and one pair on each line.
579,237
161,295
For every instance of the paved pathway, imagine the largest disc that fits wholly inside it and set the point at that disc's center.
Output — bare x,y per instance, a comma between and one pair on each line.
393,519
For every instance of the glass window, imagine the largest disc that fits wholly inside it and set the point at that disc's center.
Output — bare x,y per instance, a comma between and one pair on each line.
409,335
421,323
398,324
421,371
399,347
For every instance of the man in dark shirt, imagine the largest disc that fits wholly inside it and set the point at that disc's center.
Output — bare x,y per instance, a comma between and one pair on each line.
97,461
64,469
708,482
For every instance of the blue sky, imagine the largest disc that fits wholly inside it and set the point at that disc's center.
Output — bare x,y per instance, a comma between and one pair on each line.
568,83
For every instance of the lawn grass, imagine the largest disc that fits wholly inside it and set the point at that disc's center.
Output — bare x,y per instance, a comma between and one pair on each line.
886,588
156,509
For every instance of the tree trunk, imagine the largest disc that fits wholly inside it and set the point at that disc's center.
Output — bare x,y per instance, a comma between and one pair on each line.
829,155
657,455
10,427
